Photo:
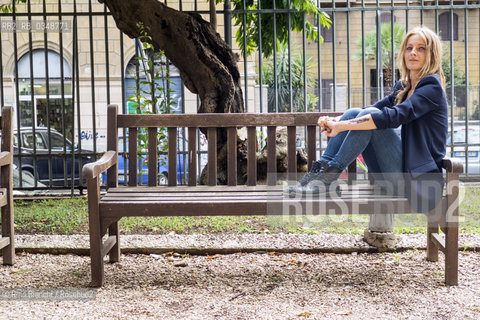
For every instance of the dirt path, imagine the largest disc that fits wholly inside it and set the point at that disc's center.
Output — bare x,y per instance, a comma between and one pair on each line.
248,286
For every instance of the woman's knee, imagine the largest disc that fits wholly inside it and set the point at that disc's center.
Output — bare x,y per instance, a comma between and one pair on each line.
368,110
350,113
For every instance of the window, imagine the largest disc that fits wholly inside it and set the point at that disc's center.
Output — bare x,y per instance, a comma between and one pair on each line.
136,70
28,141
386,17
53,108
445,26
57,140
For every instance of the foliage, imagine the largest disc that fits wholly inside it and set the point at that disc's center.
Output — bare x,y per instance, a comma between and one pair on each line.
265,22
7,8
459,78
386,43
283,71
152,94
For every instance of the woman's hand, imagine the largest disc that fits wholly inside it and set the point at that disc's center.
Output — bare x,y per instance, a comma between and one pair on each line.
328,125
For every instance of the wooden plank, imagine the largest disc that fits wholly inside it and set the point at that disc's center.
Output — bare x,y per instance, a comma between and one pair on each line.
247,207
251,156
132,156
94,169
5,158
4,242
354,190
188,194
271,156
152,157
292,153
172,157
164,189
222,120
212,156
451,232
311,145
438,241
192,156
114,232
6,182
112,144
108,245
96,257
232,156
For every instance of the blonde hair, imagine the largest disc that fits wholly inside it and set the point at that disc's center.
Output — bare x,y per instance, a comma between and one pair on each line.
433,60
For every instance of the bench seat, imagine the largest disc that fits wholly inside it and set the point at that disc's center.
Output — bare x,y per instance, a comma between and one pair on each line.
240,200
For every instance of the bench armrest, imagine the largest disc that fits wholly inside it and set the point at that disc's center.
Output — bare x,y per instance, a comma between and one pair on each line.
452,165
5,158
93,170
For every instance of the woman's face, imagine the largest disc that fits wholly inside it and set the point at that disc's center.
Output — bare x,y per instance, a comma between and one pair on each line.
415,53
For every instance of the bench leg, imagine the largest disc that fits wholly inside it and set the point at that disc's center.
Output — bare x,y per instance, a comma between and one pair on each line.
8,252
96,256
432,249
114,253
451,254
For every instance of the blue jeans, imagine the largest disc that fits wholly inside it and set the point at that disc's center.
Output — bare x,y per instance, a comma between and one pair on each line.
381,149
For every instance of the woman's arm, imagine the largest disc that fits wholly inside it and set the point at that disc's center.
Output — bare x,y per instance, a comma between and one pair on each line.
332,127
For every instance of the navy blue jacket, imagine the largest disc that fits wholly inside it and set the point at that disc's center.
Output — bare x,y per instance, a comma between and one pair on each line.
424,120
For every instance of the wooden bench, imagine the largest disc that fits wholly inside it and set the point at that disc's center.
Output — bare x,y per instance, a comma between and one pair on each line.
7,243
233,199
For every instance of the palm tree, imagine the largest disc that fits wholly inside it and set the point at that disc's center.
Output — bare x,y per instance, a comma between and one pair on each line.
386,44
284,70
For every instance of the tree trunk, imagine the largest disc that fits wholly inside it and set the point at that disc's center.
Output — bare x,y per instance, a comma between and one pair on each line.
207,65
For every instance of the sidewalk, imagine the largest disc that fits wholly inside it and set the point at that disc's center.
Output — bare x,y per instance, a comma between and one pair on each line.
228,243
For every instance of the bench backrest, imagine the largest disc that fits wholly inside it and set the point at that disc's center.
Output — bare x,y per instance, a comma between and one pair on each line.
230,122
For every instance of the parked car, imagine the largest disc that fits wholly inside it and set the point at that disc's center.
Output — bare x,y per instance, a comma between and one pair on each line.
142,167
33,151
459,148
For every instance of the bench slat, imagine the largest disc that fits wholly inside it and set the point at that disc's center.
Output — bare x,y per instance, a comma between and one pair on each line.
112,143
132,156
251,156
271,156
232,156
245,207
311,145
152,157
225,120
292,153
192,159
172,156
239,188
212,156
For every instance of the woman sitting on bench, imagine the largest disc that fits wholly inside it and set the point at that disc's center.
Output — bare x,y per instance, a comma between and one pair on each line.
417,104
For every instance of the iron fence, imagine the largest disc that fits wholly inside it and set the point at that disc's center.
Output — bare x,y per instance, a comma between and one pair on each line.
63,62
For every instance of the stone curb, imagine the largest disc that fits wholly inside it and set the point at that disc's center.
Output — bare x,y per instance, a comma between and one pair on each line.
200,244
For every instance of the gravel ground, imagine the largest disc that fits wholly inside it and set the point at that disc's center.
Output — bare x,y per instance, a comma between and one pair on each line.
249,286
